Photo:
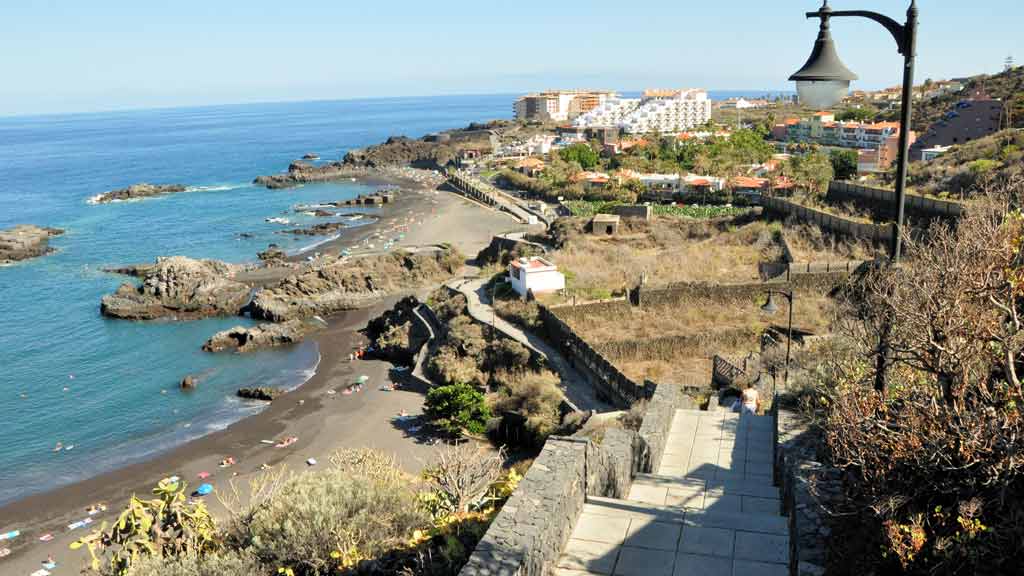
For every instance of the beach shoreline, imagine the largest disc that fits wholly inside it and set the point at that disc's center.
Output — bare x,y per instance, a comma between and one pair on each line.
322,422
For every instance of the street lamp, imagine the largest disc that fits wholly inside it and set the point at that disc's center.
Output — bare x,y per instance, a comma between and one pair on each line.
771,308
824,80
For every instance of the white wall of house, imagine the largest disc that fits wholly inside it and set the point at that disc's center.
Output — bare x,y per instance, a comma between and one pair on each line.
547,279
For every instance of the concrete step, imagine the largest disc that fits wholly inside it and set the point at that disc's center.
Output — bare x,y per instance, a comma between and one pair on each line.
710,496
623,537
738,487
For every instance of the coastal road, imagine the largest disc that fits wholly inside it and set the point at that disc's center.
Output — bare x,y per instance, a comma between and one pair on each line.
577,390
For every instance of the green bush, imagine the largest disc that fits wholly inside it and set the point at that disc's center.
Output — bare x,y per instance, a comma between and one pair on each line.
458,407
580,153
337,516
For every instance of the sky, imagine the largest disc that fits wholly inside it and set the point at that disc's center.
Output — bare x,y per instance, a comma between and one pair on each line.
73,56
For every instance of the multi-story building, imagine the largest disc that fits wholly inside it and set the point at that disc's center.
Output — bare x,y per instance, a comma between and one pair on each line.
558,105
968,120
881,138
665,111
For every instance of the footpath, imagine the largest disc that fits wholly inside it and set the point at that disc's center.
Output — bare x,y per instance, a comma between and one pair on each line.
577,390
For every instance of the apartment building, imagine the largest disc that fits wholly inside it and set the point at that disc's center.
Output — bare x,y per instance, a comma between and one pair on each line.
665,111
879,138
559,105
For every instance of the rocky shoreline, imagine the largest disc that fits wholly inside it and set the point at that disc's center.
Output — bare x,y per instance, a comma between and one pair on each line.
25,241
137,191
182,288
247,339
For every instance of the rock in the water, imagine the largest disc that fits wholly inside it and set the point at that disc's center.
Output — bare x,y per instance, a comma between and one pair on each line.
301,172
266,393
25,241
137,270
246,339
273,252
351,283
179,287
322,213
189,382
136,191
322,229
311,156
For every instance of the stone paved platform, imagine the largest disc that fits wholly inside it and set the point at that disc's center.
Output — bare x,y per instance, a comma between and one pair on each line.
710,510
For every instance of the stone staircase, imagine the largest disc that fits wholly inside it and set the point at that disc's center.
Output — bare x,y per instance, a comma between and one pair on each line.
710,509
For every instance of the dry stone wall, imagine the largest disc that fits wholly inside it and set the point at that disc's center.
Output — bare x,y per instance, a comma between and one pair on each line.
837,224
839,191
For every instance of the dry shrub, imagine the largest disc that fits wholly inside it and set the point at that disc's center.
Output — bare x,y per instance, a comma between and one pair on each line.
633,418
229,563
934,459
533,395
354,509
667,250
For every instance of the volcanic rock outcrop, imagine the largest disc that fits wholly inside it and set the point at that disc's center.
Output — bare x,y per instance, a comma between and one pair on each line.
249,338
136,191
182,288
25,241
351,283
302,172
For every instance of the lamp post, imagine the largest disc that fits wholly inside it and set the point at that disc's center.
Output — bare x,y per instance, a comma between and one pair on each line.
770,308
824,80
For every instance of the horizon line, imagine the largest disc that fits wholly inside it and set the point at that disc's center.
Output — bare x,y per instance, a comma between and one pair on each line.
130,109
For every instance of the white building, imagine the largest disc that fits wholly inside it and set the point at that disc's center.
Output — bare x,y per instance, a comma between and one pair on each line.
536,275
665,111
933,152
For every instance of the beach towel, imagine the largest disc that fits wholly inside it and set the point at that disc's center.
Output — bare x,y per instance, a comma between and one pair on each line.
40,572
204,489
10,535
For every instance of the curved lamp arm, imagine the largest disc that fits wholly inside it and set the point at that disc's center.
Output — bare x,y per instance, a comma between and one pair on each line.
900,32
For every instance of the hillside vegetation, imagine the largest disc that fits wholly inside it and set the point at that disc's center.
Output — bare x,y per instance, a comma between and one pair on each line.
963,168
1007,86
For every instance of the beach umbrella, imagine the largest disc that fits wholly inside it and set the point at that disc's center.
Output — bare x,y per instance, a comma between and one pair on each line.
363,379
204,489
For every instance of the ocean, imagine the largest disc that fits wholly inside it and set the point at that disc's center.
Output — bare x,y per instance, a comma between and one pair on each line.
109,388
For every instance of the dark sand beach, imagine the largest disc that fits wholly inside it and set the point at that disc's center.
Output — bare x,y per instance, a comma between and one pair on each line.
322,422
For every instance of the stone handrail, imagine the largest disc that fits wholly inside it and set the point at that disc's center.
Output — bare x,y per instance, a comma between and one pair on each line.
724,372
527,536
476,190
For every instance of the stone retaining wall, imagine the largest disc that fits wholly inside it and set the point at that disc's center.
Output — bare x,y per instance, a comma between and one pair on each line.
839,191
528,534
610,382
880,233
807,489
670,348
689,293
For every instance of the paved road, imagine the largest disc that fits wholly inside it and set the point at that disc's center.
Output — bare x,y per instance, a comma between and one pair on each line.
577,390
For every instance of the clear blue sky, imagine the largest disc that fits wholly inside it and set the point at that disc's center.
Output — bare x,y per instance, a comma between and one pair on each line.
75,55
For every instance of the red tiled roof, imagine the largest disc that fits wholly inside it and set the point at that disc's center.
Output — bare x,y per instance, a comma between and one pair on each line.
747,182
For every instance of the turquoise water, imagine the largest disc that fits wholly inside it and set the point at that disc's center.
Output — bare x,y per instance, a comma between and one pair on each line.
109,387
